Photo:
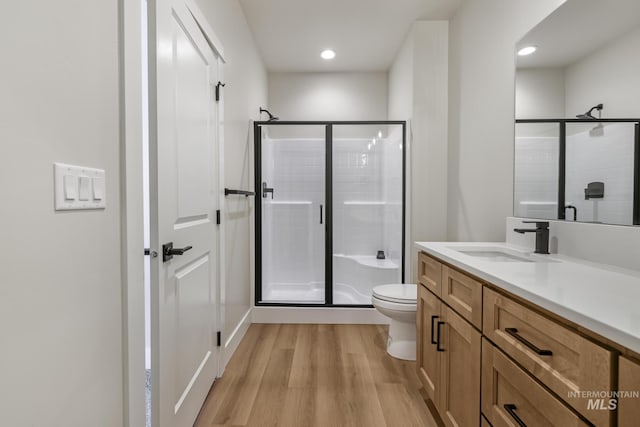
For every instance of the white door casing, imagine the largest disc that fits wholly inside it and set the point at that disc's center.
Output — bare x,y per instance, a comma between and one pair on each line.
184,184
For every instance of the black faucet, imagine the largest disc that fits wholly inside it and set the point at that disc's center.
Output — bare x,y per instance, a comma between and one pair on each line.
542,235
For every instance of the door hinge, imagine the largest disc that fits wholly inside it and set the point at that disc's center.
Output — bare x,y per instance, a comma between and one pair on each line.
218,217
218,90
219,338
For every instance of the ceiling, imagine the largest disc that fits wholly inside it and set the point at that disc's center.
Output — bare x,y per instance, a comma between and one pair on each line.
577,28
365,34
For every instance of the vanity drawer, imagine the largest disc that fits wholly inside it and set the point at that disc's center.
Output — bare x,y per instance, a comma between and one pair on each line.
510,397
564,361
463,294
430,273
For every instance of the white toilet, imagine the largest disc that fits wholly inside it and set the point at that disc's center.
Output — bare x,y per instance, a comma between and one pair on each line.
399,303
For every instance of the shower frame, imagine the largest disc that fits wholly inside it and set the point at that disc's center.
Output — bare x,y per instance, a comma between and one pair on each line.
562,159
328,248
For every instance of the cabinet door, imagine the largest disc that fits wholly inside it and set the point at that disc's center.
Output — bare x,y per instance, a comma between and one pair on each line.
430,273
427,360
629,385
459,403
463,294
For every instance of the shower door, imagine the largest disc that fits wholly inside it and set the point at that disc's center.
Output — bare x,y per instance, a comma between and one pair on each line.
329,211
368,201
290,197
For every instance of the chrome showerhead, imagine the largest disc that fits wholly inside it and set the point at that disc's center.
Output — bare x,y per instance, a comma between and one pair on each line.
272,118
588,114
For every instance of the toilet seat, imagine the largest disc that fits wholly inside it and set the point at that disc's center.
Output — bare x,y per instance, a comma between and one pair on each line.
397,293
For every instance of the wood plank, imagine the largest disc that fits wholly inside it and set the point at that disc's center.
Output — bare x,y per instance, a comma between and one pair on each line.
237,399
316,375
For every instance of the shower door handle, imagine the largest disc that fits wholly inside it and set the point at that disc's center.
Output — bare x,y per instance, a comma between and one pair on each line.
320,213
266,190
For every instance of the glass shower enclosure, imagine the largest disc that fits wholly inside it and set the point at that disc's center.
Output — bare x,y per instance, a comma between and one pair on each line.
330,210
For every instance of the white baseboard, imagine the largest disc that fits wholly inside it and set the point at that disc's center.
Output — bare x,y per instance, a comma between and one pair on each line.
231,344
326,315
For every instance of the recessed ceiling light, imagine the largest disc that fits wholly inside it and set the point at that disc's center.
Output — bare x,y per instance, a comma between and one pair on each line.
328,54
528,50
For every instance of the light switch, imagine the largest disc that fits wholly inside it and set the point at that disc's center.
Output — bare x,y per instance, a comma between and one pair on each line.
70,187
79,187
84,193
98,188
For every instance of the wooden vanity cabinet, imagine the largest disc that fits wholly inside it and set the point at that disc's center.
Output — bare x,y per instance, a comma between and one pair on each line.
448,348
628,384
533,366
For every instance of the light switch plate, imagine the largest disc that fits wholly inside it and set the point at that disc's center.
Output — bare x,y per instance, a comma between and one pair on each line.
78,187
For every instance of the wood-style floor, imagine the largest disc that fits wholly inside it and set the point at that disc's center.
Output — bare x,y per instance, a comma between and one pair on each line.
316,375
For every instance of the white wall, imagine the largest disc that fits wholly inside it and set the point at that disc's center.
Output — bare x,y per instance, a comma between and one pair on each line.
430,133
540,93
245,91
610,75
418,91
60,291
328,96
481,112
401,85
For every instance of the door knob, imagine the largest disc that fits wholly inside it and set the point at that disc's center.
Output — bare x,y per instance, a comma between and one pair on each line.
168,251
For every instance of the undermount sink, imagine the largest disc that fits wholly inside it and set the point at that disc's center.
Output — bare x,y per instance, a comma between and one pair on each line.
495,256
498,254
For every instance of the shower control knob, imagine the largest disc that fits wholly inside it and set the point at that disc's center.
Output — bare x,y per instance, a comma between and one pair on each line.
168,251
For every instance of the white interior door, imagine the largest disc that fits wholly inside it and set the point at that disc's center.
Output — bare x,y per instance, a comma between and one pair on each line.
184,194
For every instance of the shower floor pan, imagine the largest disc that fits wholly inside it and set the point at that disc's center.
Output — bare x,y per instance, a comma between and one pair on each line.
311,293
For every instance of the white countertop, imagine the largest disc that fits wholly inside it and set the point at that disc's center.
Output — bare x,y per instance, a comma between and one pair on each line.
602,298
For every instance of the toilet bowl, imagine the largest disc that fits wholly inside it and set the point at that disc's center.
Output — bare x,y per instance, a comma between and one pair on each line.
398,302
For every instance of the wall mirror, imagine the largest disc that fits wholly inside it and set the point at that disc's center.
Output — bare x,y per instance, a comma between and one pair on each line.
577,127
